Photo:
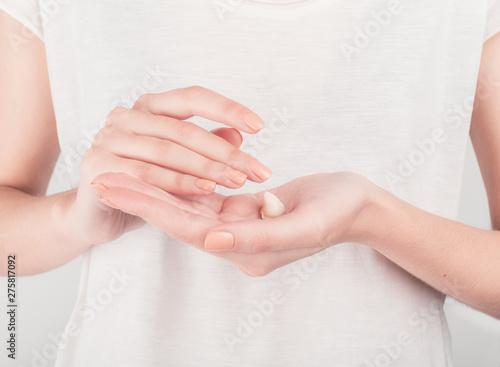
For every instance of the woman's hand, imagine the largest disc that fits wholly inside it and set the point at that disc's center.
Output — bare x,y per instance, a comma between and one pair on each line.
321,210
152,143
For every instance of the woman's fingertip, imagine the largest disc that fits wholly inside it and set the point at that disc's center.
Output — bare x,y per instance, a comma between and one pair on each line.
240,137
235,176
253,121
99,187
205,185
108,202
261,171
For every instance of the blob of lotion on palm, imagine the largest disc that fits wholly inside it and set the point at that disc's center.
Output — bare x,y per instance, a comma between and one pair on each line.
272,207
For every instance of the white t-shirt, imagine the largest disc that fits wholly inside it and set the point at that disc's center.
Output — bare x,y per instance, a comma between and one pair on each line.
381,87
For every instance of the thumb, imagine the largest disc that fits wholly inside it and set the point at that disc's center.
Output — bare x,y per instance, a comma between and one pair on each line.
289,231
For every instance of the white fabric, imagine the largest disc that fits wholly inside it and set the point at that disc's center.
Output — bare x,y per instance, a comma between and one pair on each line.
393,105
28,13
493,19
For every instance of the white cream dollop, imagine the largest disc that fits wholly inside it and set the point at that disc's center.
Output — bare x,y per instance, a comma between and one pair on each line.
272,207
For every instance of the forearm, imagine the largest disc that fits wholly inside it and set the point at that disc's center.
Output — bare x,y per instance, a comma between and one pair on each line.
456,259
34,229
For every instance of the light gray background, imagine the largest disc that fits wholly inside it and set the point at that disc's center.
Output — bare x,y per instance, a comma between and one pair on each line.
46,300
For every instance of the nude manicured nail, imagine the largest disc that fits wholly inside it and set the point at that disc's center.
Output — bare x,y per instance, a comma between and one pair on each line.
254,121
260,170
99,187
219,241
107,202
236,176
205,185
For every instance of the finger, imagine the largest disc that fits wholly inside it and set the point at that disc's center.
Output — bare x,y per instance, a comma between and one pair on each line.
98,162
192,137
184,103
289,231
160,214
230,135
109,180
170,155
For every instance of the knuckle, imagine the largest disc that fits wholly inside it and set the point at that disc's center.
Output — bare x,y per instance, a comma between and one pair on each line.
117,114
142,172
99,138
162,149
206,167
192,92
231,108
184,129
237,158
179,181
142,101
88,156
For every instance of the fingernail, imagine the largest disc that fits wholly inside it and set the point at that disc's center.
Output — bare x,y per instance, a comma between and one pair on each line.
241,136
260,170
236,176
254,121
219,241
206,185
99,187
107,202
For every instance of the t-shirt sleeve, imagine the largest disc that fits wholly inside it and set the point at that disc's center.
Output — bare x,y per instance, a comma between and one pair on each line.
27,12
492,19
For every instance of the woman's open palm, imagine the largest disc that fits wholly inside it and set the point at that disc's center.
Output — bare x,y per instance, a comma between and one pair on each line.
321,210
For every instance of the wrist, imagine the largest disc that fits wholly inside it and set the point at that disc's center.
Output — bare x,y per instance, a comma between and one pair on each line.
369,227
64,220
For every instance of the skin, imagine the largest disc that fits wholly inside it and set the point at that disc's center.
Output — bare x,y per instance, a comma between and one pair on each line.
150,142
115,196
